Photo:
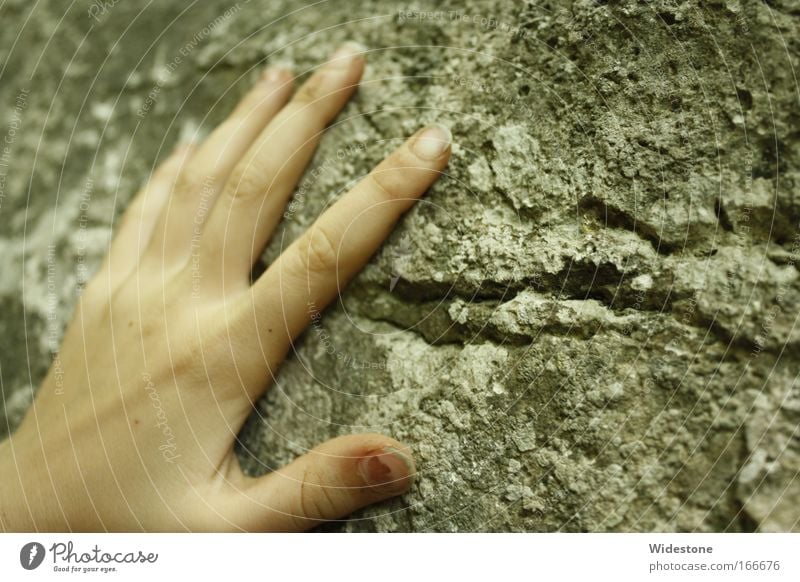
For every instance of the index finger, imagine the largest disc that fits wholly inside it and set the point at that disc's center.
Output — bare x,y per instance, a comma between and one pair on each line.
311,272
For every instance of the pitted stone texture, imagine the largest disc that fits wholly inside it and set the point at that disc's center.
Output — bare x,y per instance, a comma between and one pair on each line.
590,323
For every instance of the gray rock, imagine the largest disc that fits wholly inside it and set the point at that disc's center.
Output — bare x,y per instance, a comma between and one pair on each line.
590,323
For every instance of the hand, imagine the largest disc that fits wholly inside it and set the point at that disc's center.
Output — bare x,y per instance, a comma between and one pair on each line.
170,345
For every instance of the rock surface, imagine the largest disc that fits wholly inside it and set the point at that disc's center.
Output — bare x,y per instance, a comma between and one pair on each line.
590,323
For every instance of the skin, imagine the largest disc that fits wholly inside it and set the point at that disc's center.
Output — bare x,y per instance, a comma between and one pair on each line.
171,343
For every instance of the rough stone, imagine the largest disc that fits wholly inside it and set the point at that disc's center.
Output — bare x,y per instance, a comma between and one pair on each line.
590,323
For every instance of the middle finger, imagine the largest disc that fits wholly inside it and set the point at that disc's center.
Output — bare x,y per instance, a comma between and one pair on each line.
253,198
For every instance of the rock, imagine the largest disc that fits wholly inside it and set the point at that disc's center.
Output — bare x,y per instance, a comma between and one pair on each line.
590,323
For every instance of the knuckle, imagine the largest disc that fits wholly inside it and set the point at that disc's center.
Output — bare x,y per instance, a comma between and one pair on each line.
318,500
185,362
246,184
384,184
319,253
185,185
330,501
310,92
194,179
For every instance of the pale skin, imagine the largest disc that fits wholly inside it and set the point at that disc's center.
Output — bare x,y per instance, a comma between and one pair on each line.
172,343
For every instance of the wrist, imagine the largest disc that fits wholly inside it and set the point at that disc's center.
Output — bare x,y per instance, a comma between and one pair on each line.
23,506
10,503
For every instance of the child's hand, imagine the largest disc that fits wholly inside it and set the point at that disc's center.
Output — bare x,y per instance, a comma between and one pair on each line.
134,426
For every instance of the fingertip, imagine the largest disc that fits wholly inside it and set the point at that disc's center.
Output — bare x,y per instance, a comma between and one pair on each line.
347,63
389,470
276,79
347,55
371,462
432,142
276,74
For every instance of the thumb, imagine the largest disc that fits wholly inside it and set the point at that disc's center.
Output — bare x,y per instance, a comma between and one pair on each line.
329,482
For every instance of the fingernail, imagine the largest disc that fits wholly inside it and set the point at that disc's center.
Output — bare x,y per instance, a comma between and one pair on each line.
432,142
273,74
346,54
388,467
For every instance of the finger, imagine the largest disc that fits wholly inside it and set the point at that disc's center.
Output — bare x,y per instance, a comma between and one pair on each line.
310,273
199,183
137,223
330,482
253,198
